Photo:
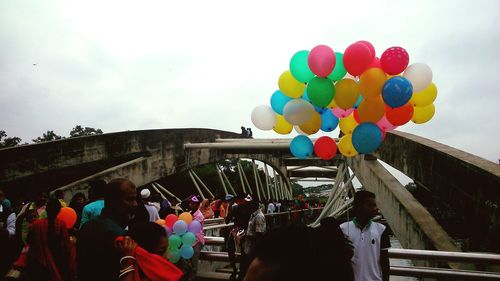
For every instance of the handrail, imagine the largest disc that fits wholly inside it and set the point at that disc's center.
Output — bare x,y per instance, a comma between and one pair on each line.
482,258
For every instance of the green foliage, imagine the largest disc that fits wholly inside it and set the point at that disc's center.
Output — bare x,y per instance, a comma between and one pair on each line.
48,136
79,131
8,141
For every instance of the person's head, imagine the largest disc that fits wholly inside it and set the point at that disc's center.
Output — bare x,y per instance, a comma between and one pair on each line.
145,195
150,236
96,189
120,199
364,205
53,208
41,199
78,199
298,253
59,194
205,203
194,203
229,198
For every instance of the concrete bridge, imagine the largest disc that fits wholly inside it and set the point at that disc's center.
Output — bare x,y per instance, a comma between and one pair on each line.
467,184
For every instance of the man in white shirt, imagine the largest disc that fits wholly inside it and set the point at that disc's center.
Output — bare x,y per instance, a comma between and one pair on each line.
271,208
152,210
370,240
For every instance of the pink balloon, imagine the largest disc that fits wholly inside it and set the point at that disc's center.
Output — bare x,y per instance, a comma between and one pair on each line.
385,125
340,113
394,60
321,60
357,58
369,45
375,63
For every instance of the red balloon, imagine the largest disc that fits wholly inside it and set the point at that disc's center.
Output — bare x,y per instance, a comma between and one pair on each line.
325,148
356,116
375,63
394,60
369,45
357,58
400,115
170,220
68,216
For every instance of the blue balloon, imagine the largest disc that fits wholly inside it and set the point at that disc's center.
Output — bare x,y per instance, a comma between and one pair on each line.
360,99
328,121
317,108
397,91
301,147
180,227
366,138
278,101
186,251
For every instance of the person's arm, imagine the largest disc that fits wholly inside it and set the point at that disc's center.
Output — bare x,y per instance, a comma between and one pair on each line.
126,248
385,244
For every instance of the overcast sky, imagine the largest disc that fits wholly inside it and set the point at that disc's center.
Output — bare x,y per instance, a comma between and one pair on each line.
122,65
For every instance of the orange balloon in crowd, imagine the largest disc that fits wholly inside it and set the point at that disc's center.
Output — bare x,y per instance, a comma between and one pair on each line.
371,110
68,216
160,222
186,217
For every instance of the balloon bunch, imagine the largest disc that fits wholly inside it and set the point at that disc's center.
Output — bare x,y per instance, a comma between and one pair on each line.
364,95
181,232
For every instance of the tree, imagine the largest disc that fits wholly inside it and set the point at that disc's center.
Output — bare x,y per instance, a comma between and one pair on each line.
79,131
48,136
8,142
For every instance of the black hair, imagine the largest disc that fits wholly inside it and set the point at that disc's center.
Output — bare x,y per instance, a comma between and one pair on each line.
96,190
53,208
303,253
59,193
361,196
113,191
147,235
78,194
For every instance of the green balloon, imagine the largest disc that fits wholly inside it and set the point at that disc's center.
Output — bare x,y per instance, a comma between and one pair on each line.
188,238
320,91
174,255
299,67
174,241
339,71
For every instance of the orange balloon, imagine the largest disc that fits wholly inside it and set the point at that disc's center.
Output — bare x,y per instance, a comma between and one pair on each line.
160,222
371,110
186,217
68,216
312,126
400,115
371,83
346,93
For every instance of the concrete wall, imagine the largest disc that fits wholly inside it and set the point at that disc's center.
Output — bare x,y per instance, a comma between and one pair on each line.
469,184
150,154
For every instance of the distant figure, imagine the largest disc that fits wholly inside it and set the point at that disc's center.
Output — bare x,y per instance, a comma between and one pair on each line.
77,203
59,195
369,239
96,196
249,132
244,131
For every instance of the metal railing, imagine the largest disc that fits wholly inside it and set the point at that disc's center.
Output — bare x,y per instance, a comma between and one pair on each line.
414,271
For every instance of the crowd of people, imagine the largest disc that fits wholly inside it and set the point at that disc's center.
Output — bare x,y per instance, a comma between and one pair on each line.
116,237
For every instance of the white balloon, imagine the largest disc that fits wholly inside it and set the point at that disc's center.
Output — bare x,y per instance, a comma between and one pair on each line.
263,117
420,76
298,111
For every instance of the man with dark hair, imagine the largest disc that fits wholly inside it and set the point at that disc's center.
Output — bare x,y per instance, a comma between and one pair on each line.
370,240
96,196
97,257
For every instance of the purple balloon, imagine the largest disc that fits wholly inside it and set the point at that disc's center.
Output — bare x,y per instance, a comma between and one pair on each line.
194,227
180,227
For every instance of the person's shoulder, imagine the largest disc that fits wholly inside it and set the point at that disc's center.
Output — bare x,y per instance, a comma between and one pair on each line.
379,227
345,225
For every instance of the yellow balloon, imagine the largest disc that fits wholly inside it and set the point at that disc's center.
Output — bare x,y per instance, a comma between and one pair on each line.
423,114
424,97
282,126
186,217
348,124
371,82
371,110
346,93
345,146
312,126
332,104
289,86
